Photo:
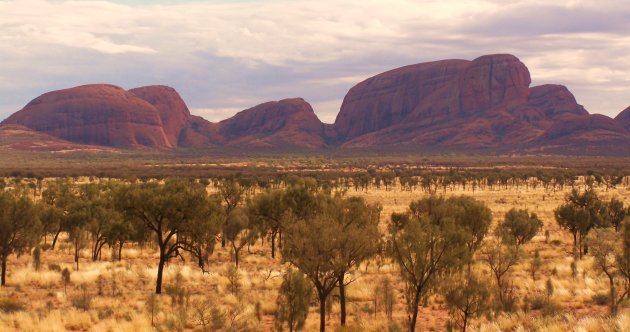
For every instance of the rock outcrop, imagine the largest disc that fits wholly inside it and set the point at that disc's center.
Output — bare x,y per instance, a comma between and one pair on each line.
20,138
95,114
172,109
284,123
486,103
386,99
624,118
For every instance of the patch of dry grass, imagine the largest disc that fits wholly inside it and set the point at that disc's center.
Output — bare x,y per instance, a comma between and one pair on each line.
120,291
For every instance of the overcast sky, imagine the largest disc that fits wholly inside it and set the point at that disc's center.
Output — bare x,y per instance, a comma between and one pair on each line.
225,56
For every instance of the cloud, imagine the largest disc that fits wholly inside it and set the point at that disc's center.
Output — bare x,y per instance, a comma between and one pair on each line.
225,56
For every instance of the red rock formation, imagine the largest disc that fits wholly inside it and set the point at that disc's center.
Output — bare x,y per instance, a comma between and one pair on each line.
17,137
94,114
584,128
386,99
554,100
482,103
172,109
284,123
624,118
200,133
491,81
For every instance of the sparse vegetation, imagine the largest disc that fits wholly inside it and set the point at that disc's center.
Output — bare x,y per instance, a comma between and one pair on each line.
497,262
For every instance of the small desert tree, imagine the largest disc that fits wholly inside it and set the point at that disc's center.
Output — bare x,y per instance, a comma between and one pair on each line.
19,227
177,213
615,213
266,210
310,247
37,257
519,227
605,249
579,214
239,232
58,196
231,193
98,204
501,257
122,230
623,257
425,244
83,211
473,216
358,238
466,297
65,279
293,301
535,264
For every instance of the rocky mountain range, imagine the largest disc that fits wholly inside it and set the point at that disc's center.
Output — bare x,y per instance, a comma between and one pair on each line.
486,103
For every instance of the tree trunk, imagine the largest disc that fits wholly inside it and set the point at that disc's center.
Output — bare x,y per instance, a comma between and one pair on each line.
414,318
120,251
55,239
4,271
342,298
273,244
158,284
322,312
280,239
76,254
465,322
95,251
613,297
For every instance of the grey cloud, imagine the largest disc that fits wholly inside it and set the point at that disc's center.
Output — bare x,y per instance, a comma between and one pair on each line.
234,56
534,20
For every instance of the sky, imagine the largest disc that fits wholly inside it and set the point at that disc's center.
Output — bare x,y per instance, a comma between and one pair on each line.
224,56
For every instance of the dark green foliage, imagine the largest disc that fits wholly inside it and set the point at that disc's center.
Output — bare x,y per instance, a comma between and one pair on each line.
178,213
467,297
309,248
608,259
615,213
500,258
19,227
293,301
432,241
238,231
266,212
582,212
519,226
